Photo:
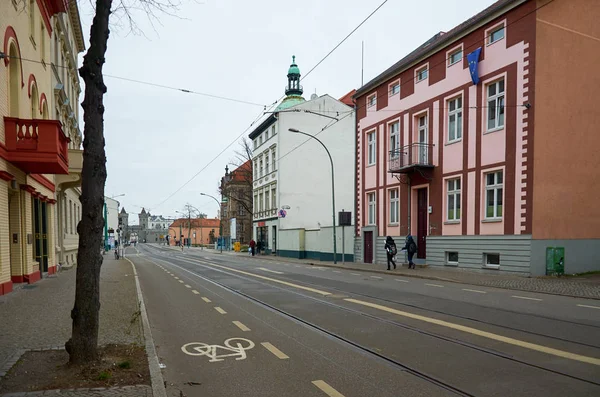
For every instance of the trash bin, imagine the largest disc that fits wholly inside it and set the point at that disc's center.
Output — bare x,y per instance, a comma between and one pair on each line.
555,260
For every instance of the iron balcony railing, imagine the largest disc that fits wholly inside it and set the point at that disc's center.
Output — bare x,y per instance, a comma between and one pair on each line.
410,157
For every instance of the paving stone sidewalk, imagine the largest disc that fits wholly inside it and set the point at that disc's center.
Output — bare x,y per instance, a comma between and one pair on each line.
37,316
580,287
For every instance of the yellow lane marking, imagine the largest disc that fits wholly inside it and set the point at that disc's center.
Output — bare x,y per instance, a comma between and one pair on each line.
188,286
317,291
195,292
402,281
377,277
474,290
590,307
205,299
525,297
268,270
325,388
485,334
217,308
278,353
241,326
434,285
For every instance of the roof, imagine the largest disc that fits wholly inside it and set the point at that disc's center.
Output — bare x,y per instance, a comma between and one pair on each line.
347,99
262,126
241,173
436,43
123,210
293,67
196,222
290,101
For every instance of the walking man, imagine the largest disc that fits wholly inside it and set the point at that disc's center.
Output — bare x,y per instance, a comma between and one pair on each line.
411,247
252,246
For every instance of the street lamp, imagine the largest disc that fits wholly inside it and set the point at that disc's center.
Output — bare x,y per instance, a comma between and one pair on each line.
220,219
106,247
332,188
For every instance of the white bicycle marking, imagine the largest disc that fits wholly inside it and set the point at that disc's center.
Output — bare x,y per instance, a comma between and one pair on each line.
236,345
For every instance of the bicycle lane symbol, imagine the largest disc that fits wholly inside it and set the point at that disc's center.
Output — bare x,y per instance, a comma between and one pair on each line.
236,346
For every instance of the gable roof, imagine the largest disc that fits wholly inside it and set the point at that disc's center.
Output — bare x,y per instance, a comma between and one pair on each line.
240,174
347,99
195,222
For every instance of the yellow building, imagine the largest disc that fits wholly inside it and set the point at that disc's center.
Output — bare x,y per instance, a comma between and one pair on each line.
40,160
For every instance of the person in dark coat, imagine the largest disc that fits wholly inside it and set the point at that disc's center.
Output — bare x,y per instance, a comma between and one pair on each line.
411,247
390,250
252,246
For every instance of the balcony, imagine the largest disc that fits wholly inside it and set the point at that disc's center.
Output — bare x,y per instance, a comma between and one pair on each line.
73,178
411,157
37,146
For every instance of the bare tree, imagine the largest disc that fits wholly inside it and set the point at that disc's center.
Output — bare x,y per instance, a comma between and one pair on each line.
83,344
241,190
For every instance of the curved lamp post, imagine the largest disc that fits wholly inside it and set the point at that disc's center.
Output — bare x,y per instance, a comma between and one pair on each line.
220,219
332,187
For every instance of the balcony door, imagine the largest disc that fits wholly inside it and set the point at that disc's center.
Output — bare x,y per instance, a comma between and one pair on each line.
423,137
40,232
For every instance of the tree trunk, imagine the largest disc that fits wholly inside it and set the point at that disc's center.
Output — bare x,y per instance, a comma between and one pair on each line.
83,345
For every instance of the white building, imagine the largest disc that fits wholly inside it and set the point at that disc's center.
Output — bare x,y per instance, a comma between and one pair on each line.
292,175
112,213
158,222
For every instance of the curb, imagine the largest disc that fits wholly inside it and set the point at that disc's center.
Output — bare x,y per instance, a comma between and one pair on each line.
158,385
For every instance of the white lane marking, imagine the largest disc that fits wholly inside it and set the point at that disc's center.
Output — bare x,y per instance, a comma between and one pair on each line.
286,264
264,269
589,307
377,277
241,326
176,278
297,266
278,353
205,299
188,286
355,274
434,285
336,271
402,281
195,292
220,310
474,290
525,297
325,388
181,281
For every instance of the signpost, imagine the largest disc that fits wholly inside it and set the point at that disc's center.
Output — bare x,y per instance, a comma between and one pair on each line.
345,219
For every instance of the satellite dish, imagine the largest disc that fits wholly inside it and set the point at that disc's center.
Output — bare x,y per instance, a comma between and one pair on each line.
314,96
285,207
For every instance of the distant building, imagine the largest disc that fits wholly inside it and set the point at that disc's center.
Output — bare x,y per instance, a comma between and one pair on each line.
236,208
195,231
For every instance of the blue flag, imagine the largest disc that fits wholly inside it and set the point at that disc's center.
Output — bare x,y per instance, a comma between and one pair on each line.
473,59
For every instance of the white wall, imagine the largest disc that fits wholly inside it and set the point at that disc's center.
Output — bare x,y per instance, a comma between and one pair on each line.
112,208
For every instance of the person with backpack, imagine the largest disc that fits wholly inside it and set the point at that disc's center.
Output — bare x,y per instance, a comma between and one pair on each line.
391,251
411,247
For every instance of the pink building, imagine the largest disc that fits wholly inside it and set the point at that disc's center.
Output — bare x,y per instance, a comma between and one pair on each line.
481,172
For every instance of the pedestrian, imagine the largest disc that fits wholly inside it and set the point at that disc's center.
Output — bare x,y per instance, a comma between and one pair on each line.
391,250
411,248
252,246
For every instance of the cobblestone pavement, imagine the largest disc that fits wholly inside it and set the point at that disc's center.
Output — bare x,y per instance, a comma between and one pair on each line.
40,316
126,391
581,287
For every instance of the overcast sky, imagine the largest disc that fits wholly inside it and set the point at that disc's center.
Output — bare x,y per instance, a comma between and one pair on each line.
157,139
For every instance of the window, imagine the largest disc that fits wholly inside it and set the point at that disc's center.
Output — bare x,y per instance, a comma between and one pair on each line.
422,139
267,135
455,119
491,260
496,34
395,88
394,206
255,204
454,57
274,197
372,100
267,207
493,195
32,21
495,93
43,42
255,143
255,169
260,169
422,74
372,149
260,140
70,221
260,202
273,159
371,200
394,139
241,211
454,200
451,258
267,164
273,131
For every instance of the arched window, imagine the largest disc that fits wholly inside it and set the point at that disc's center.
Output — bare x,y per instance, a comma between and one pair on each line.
35,102
14,75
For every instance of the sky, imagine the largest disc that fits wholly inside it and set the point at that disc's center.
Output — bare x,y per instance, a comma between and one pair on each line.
157,139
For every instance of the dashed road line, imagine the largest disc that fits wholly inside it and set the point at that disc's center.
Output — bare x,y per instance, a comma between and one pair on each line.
474,290
355,274
195,292
176,278
402,281
181,281
188,286
325,388
241,326
589,307
434,285
377,277
336,271
264,269
205,299
526,297
220,310
278,353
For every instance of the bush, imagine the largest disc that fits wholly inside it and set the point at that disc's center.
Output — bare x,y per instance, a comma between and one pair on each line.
244,248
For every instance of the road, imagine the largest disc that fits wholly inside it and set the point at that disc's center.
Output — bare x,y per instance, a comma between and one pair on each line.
228,325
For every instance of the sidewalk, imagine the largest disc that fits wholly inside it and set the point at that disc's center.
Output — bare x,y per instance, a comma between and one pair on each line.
37,316
579,287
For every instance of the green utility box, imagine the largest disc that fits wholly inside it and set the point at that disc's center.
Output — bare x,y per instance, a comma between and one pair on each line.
555,260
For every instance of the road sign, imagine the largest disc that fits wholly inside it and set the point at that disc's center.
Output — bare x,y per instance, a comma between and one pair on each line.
282,213
235,346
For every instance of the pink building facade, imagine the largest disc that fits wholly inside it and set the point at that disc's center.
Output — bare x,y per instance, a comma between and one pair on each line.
450,161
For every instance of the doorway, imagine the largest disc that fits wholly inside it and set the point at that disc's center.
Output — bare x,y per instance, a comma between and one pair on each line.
40,232
262,238
368,244
274,239
422,213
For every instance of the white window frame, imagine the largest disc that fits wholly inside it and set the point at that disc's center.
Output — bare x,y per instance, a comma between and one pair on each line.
267,199
372,208
273,160
274,196
261,202
394,136
372,148
497,189
453,190
490,265
392,86
260,174
453,52
394,206
448,261
266,134
372,101
422,73
273,130
255,143
267,172
457,113
499,105
260,140
489,32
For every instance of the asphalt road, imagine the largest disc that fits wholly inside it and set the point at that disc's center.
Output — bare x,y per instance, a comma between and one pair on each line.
317,331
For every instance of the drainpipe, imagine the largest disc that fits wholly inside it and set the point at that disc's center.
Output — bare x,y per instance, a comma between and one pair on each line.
355,181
